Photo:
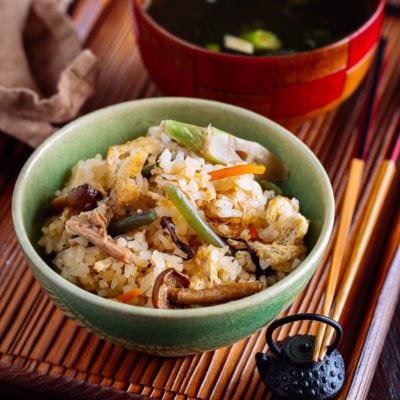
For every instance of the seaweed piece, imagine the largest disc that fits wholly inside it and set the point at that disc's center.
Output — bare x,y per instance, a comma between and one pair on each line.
253,255
166,223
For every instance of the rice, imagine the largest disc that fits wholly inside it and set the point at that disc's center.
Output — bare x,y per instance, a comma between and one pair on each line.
235,207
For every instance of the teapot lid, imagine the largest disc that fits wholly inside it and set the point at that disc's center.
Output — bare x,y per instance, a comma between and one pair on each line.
299,349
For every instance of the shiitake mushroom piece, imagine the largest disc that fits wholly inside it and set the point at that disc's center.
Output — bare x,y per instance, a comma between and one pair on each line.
215,295
81,198
168,279
171,290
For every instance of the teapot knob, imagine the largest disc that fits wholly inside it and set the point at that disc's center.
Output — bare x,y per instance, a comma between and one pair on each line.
289,372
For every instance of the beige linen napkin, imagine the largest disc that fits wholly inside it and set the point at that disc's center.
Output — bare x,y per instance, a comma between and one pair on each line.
45,77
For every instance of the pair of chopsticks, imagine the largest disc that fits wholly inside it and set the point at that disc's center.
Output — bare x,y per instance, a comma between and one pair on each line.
379,192
380,189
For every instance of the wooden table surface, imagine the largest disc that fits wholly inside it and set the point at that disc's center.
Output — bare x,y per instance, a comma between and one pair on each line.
123,77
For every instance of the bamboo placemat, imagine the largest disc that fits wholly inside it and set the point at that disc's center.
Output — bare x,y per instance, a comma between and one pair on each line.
41,348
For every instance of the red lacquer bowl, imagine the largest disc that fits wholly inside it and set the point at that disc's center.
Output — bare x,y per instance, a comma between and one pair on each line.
284,88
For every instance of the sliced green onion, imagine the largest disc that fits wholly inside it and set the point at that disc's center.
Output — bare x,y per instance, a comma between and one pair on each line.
131,222
262,40
191,216
317,37
213,47
237,44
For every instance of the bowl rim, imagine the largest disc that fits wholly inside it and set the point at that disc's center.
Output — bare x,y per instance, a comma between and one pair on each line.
37,263
232,57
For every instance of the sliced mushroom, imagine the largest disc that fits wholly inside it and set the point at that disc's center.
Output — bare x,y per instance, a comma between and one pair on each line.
167,280
216,295
80,198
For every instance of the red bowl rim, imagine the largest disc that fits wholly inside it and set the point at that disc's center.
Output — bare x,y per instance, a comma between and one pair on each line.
231,57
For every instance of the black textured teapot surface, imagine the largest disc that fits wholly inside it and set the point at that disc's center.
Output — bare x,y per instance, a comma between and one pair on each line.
289,372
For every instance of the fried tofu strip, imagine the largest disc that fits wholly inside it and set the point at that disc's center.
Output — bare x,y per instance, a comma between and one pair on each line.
283,216
277,255
126,162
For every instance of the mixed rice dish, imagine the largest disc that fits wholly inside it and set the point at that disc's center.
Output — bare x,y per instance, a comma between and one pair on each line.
184,216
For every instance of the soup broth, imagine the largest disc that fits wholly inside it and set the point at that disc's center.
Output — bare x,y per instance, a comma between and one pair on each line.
293,25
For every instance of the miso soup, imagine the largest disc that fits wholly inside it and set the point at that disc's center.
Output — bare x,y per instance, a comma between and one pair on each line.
261,27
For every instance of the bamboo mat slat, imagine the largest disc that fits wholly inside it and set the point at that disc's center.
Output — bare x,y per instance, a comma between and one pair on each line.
43,349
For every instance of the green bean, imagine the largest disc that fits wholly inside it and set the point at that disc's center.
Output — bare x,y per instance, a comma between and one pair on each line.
191,136
131,222
191,216
267,185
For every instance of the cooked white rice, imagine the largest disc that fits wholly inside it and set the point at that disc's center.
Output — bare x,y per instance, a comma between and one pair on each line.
235,207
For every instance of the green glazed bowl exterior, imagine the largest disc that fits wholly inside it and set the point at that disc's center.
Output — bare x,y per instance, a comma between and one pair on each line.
155,331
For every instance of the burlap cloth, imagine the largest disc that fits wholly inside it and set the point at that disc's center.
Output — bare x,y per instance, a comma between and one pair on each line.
45,77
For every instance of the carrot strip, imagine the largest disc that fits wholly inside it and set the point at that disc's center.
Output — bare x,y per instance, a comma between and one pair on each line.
124,298
236,170
253,233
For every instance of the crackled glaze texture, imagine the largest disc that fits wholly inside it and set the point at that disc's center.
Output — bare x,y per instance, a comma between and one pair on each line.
168,332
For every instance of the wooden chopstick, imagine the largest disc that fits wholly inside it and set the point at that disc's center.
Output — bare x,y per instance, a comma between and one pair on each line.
392,7
349,205
379,192
350,198
86,16
369,112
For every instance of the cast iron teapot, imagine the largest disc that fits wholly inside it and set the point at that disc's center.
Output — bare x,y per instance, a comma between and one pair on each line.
289,372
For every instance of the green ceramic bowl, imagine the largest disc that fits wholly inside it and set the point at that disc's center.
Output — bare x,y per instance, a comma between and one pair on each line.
156,331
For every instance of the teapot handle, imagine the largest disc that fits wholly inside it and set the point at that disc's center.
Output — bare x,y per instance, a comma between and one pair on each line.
298,317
